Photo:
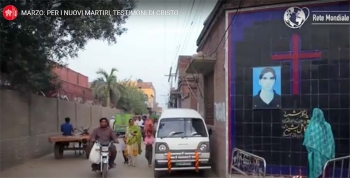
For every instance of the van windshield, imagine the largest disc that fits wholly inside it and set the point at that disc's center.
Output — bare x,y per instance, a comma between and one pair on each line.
181,127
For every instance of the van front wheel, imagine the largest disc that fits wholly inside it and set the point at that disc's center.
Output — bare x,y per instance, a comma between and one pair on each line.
204,172
157,174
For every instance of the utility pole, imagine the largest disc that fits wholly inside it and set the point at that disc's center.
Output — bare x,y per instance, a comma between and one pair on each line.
170,79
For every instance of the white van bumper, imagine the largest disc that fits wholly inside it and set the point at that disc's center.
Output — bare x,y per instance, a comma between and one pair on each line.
181,161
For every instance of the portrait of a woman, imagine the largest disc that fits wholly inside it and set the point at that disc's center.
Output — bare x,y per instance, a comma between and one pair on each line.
267,87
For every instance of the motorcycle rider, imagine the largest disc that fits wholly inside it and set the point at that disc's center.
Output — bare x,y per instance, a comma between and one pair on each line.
105,134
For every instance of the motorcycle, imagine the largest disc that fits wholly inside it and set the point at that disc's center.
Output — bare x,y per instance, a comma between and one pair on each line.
103,166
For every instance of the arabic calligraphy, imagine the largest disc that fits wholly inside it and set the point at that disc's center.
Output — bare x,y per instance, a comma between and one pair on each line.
248,164
294,123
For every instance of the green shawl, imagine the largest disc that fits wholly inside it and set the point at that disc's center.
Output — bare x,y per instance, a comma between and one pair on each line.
135,139
319,143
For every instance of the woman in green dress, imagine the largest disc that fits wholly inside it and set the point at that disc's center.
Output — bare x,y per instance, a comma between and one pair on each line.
133,142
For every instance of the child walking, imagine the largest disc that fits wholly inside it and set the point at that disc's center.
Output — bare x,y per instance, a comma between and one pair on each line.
123,147
149,140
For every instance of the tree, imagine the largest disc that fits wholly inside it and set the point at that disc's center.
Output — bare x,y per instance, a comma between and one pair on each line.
106,87
30,41
132,100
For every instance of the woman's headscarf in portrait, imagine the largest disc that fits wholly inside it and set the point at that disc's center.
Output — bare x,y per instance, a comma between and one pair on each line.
319,143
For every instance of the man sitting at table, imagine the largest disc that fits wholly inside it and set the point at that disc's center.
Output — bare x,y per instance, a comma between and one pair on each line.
67,128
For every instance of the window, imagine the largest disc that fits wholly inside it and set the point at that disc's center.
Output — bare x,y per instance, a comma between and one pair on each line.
182,127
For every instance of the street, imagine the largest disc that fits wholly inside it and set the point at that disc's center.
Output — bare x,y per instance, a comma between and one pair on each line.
74,166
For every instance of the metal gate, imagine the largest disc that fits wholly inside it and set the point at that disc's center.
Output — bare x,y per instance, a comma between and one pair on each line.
247,164
337,172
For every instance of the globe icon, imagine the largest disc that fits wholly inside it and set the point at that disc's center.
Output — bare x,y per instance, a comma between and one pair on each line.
294,17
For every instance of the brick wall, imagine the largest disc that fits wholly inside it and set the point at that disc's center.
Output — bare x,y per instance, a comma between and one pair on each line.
73,91
69,75
219,136
26,122
209,99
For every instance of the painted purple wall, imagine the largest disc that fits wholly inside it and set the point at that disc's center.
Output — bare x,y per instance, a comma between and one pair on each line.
324,83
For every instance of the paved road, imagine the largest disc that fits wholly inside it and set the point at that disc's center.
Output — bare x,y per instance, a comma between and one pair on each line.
72,166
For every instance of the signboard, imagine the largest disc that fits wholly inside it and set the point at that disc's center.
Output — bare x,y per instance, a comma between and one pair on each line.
294,123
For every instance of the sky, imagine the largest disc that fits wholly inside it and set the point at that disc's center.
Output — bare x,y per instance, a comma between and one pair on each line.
151,45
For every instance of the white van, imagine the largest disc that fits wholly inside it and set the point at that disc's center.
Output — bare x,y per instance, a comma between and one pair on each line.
181,142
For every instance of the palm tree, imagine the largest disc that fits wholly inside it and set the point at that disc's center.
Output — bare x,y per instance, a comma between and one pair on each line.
107,87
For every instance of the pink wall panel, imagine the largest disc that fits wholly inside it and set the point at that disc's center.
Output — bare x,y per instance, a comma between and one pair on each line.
61,73
83,80
72,77
72,90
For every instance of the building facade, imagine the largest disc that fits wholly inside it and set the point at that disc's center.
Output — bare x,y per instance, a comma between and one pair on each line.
150,93
74,86
310,68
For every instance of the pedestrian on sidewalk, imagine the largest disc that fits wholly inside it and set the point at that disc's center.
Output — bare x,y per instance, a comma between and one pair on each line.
133,142
149,140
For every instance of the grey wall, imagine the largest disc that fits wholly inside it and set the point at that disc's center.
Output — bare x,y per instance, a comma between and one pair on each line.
26,122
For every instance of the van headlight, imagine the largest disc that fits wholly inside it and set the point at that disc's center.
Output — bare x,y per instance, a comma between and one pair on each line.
162,147
203,147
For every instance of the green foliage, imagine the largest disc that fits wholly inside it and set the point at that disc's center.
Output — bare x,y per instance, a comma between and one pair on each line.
132,100
29,42
106,87
155,116
122,94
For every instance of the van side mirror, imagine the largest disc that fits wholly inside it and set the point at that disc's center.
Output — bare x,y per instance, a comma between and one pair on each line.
210,131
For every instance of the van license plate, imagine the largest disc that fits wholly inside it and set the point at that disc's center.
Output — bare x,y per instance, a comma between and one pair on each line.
183,164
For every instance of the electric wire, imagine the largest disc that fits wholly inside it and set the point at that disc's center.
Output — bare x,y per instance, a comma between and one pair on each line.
228,27
181,35
195,21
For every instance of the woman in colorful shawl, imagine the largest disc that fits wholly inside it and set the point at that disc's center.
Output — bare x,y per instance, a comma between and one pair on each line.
133,142
148,126
319,143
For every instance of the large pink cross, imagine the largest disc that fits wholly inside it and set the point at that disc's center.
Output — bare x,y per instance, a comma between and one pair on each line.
295,55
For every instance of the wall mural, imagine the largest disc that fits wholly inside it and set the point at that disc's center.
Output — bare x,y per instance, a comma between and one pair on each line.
267,87
294,123
314,64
